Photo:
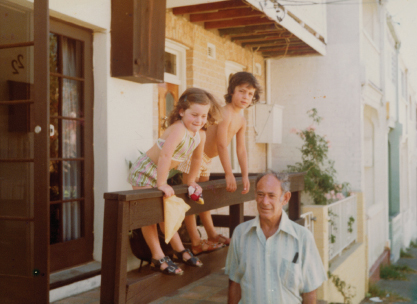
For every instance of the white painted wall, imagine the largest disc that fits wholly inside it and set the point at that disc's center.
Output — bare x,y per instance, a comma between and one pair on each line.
330,84
122,109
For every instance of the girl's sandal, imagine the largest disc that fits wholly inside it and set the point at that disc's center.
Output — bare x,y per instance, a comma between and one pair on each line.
193,261
170,270
205,246
220,239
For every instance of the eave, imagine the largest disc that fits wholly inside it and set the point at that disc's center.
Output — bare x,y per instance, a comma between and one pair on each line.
256,26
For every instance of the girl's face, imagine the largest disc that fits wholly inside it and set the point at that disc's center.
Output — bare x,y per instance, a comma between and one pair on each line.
195,117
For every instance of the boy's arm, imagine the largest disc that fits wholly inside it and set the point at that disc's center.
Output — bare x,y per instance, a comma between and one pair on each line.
195,165
222,144
242,156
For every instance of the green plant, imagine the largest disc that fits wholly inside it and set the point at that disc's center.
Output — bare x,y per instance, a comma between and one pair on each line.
413,244
390,272
406,254
320,179
350,224
375,291
347,291
333,226
403,268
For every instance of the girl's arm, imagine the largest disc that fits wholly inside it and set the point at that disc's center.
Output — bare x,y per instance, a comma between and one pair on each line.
242,156
196,160
222,144
165,158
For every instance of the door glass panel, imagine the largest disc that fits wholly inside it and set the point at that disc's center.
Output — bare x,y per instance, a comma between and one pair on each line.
72,179
53,53
55,181
55,222
54,96
71,222
169,103
54,138
72,51
71,139
72,98
16,247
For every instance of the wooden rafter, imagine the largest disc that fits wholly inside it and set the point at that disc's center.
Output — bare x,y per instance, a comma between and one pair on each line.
247,26
208,7
249,30
283,48
268,40
236,22
225,14
277,43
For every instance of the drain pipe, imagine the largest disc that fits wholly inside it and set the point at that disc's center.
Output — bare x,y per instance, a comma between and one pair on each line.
268,101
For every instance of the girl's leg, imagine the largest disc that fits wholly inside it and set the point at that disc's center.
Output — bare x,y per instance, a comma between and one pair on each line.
150,234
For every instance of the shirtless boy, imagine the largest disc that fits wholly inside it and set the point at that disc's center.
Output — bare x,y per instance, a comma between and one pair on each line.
242,92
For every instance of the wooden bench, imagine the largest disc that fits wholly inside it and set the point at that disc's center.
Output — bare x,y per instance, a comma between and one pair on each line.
128,210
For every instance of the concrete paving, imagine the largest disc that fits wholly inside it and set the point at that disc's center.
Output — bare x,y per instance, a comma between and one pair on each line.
406,289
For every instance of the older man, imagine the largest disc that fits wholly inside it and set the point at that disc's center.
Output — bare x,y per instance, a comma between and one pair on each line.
272,259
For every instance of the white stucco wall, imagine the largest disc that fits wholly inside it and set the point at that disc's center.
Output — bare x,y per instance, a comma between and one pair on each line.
332,85
122,109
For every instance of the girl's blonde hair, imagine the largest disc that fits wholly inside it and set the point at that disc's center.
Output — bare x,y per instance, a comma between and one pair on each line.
199,96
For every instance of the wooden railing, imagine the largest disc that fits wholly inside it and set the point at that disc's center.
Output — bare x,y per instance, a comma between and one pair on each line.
128,210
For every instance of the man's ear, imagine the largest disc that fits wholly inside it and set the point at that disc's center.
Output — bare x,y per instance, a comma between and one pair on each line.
286,198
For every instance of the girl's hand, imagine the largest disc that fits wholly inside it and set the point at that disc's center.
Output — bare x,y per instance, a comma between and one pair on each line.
167,189
198,189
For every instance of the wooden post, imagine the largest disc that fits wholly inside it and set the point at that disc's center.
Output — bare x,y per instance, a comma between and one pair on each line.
294,206
115,242
235,217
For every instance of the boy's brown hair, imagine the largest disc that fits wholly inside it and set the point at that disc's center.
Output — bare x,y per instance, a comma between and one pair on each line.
240,78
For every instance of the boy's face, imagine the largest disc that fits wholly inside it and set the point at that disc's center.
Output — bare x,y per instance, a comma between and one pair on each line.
243,95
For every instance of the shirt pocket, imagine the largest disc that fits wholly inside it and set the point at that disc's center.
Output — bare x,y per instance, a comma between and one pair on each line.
290,275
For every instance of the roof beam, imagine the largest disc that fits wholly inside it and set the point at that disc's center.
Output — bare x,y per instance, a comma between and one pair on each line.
260,37
208,7
249,30
277,43
290,48
289,54
225,14
236,22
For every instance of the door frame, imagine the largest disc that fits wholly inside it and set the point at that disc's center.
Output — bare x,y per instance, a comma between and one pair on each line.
75,252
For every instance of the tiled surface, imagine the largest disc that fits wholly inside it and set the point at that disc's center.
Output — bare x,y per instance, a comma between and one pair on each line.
211,289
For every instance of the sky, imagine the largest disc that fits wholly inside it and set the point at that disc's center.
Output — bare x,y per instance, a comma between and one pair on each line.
404,13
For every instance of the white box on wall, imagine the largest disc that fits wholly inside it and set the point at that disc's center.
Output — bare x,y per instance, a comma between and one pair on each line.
268,123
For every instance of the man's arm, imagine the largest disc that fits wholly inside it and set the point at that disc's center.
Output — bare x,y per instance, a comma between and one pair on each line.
308,297
234,293
242,156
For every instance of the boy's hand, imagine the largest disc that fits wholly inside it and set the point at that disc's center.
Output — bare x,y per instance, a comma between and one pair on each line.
246,184
230,183
167,189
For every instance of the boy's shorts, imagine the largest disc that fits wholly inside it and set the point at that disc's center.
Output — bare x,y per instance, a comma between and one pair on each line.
184,167
143,172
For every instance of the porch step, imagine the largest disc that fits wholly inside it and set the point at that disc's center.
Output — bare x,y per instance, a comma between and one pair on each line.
74,274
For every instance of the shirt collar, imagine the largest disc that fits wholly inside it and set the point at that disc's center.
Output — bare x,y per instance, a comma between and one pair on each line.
285,225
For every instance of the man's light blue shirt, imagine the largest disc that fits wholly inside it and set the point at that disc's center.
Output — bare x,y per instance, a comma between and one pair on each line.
270,270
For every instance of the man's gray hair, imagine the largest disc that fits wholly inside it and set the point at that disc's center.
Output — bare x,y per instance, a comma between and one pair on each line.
280,176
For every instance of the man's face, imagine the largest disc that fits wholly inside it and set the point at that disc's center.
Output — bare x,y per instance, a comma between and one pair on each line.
269,200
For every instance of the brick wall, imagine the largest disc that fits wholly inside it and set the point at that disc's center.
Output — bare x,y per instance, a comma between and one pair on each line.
209,74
